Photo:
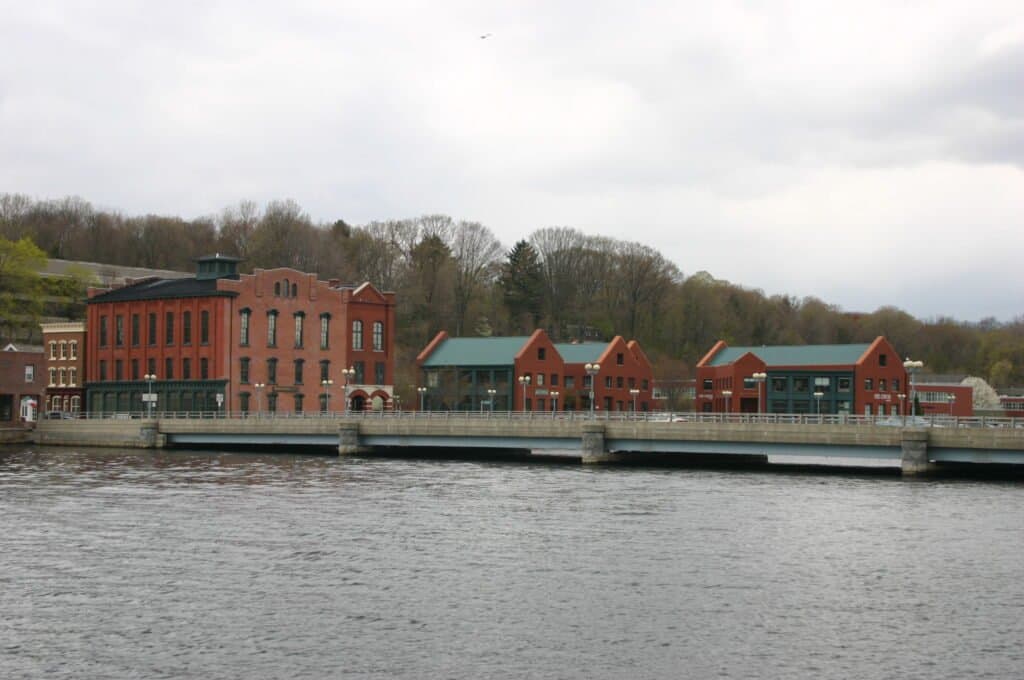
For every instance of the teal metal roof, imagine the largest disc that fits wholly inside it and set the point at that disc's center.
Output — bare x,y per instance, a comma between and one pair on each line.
582,352
795,355
476,351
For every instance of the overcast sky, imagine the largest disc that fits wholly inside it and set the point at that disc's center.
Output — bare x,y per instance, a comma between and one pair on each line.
868,153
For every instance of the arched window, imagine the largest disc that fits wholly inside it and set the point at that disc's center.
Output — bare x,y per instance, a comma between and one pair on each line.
378,336
300,317
76,404
325,330
357,334
272,328
295,290
243,326
287,288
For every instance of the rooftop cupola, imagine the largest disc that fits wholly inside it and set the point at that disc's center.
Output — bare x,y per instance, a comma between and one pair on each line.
217,267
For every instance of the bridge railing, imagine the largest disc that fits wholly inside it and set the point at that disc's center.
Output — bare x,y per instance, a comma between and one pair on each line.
802,419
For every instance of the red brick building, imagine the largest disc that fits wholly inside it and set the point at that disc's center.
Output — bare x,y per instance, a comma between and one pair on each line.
459,374
1012,405
65,370
226,341
21,383
864,379
944,399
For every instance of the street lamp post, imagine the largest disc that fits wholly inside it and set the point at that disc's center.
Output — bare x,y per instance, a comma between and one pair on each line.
592,371
259,398
524,380
759,379
554,401
912,367
348,374
423,396
491,393
952,400
817,399
326,384
728,400
149,378
903,407
634,392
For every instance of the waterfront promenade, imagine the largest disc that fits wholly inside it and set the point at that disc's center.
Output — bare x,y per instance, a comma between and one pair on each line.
916,445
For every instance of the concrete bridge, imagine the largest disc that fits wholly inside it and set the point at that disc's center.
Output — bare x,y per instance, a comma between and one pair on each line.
915,449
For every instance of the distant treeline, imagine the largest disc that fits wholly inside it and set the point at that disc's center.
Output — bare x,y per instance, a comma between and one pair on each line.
455,275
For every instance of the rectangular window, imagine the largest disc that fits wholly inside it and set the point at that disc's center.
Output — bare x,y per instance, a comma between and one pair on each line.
103,331
186,328
298,403
103,371
618,382
540,380
822,384
749,383
169,328
168,369
272,329
357,334
708,384
325,370
186,369
298,329
608,381
63,350
554,380
298,371
63,379
53,349
244,328
542,353
243,370
779,384
152,329
271,371
644,385
118,369
135,369
204,327
243,401
801,384
272,402
881,385
869,384
119,330
204,368
570,382
620,359
360,367
74,349
325,331
378,373
867,409
72,376
895,384
882,360
378,336
843,385
136,330
151,366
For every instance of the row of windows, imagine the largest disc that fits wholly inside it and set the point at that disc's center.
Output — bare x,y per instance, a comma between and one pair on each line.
298,368
151,369
542,354
538,380
68,349
151,335
245,325
804,384
63,376
65,403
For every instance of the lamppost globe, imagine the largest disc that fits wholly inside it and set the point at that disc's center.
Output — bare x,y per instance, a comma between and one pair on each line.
634,393
149,378
491,393
911,366
728,400
817,399
259,397
554,401
422,391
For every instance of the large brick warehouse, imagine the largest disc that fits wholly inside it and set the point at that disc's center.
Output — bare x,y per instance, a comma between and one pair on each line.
224,341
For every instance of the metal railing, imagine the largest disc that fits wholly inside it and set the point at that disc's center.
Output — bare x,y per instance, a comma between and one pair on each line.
938,421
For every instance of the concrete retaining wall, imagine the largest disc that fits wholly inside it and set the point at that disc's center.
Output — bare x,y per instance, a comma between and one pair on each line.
131,434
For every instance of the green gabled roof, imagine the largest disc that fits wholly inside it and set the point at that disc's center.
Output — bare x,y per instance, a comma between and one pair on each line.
795,355
581,352
476,351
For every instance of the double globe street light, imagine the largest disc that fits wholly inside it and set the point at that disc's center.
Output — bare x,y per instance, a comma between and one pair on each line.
592,371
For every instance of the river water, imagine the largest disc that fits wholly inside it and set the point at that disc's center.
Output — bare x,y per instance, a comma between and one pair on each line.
129,564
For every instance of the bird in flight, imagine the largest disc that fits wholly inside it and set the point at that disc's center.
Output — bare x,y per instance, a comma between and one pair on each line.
485,36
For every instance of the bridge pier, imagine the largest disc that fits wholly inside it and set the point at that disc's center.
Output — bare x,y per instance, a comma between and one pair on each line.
348,440
914,453
592,450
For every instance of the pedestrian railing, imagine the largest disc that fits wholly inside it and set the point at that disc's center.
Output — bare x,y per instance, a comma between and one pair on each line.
802,419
